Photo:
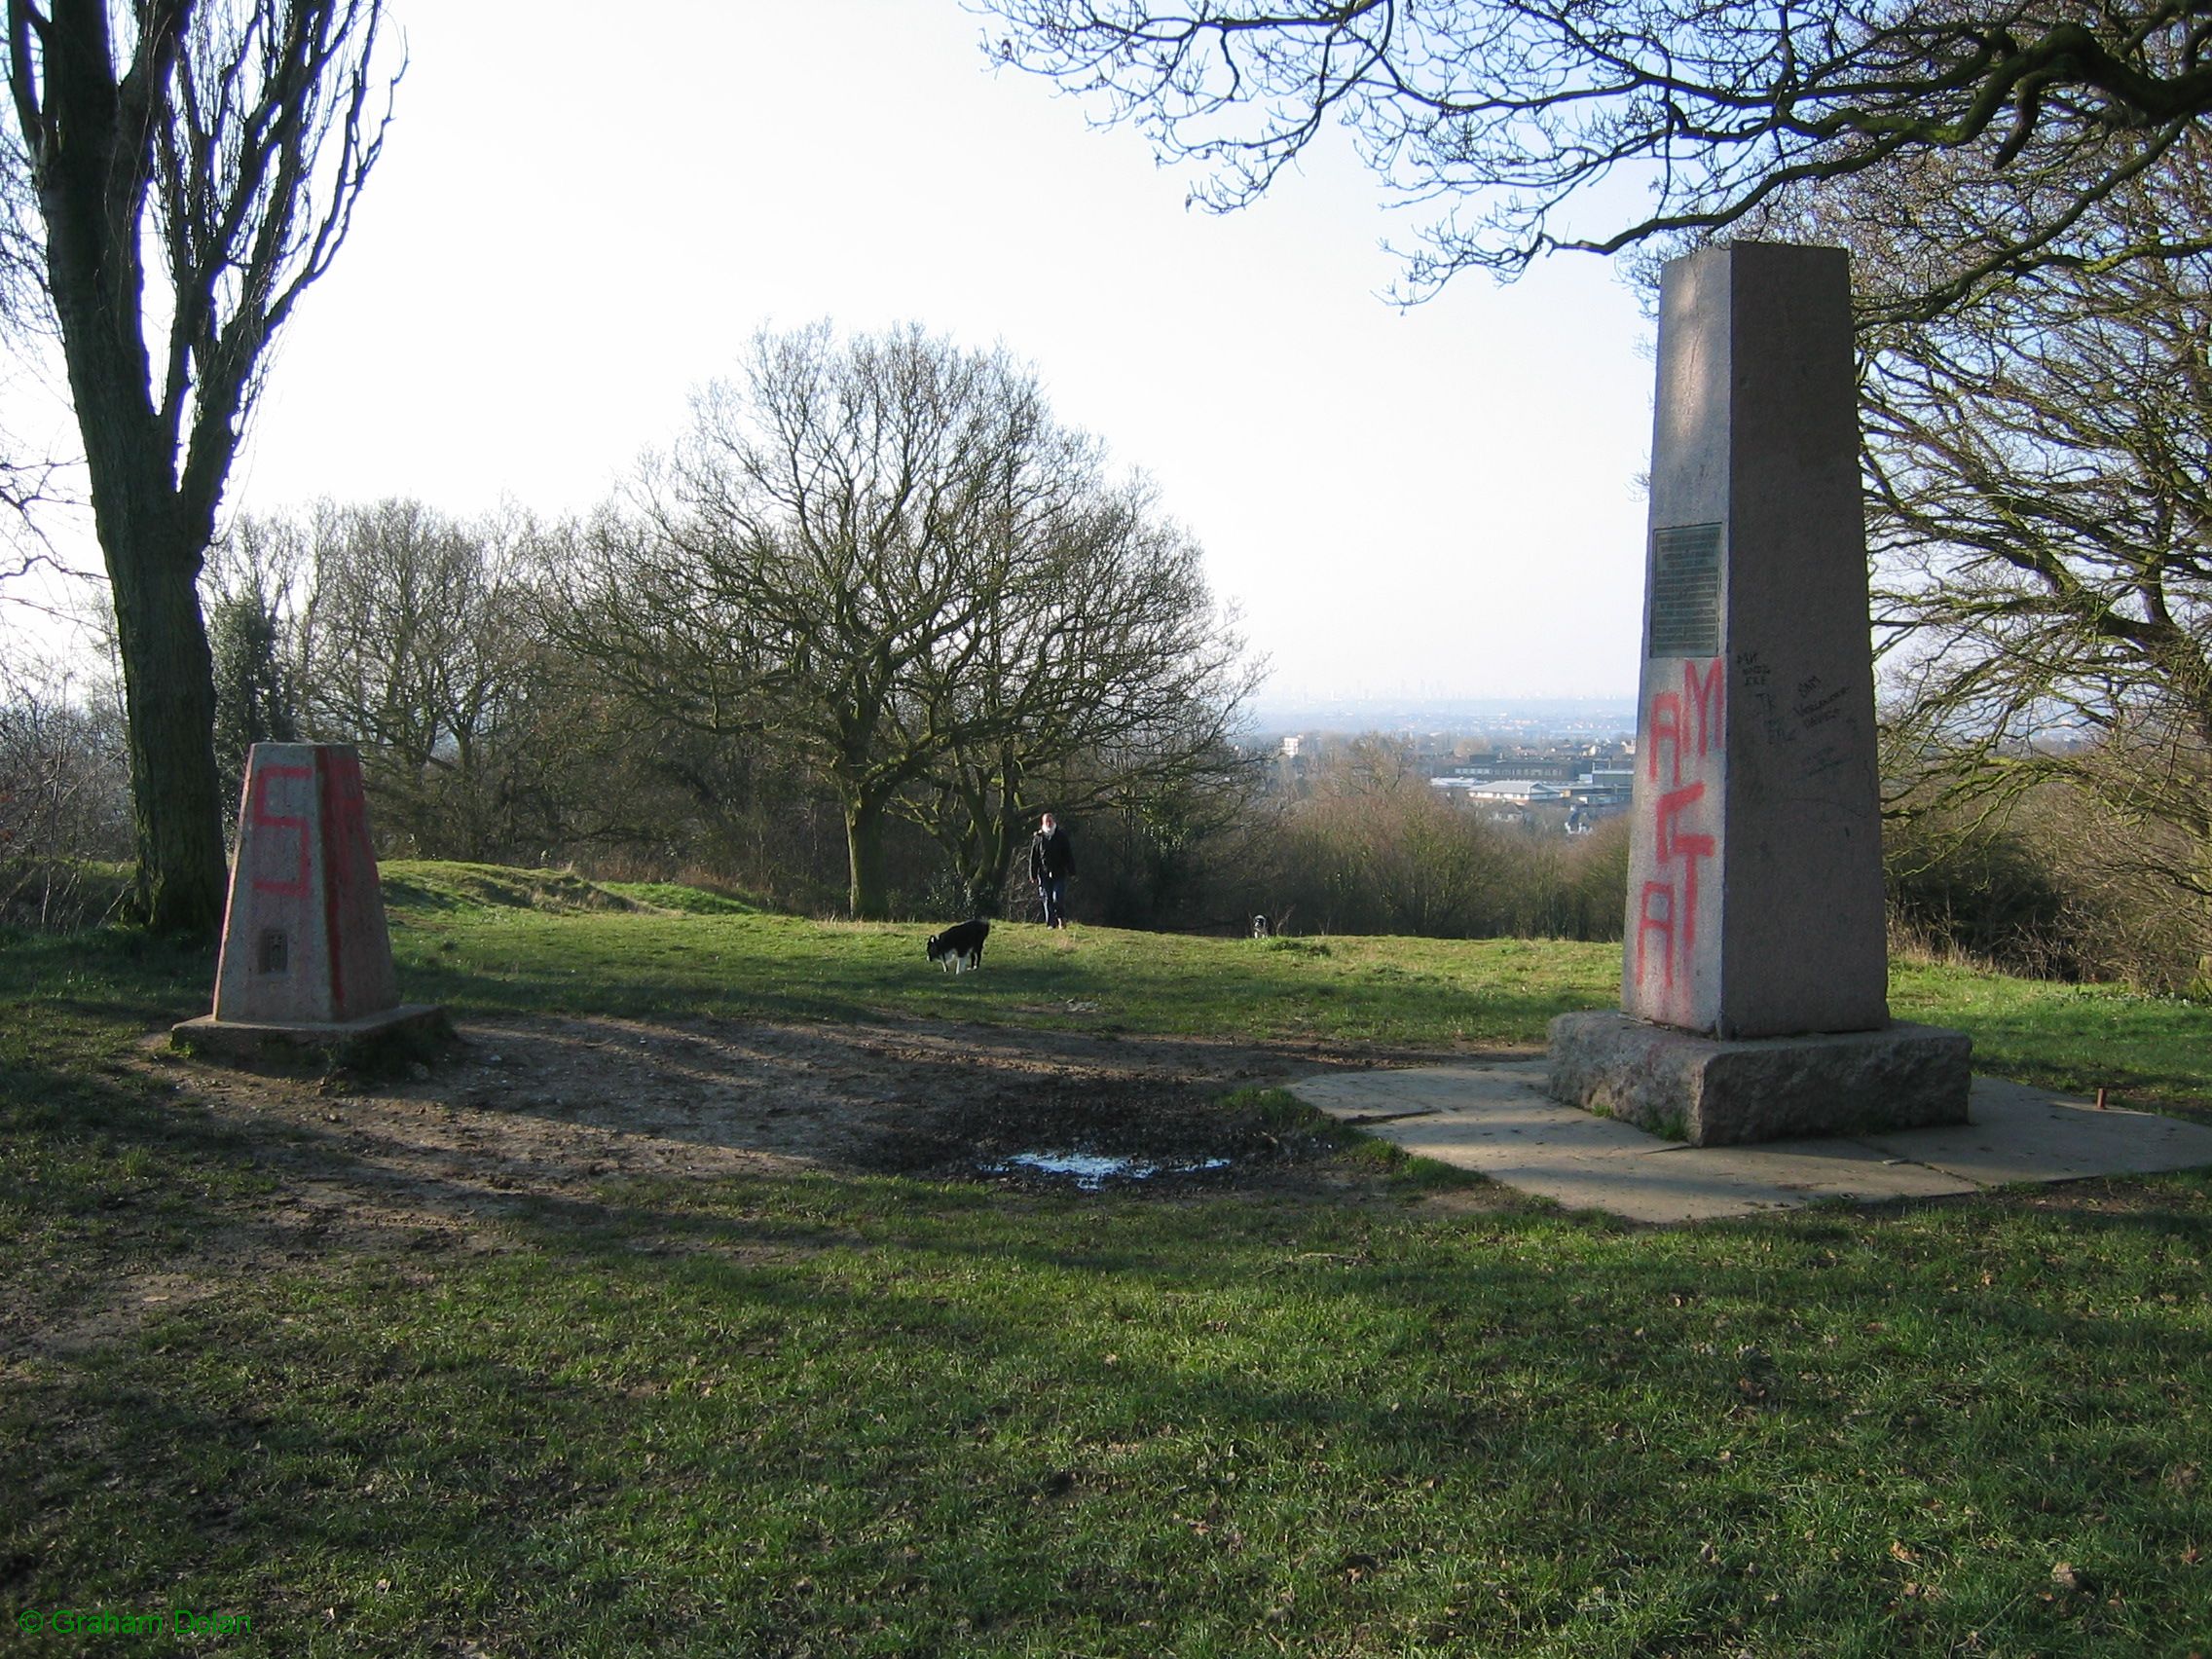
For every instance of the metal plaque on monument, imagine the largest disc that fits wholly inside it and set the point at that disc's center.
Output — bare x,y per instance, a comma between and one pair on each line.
1754,963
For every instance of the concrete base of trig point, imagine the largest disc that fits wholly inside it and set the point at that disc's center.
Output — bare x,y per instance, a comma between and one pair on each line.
1712,1092
411,1028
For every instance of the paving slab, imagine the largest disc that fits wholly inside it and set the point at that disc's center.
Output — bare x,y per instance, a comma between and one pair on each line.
2018,1133
1353,1095
1497,1120
1783,1175
1512,1140
1673,1192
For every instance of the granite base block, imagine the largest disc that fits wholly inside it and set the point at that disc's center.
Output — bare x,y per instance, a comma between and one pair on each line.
1710,1093
394,1031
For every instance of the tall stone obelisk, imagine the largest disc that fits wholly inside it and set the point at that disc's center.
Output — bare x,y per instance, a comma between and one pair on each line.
1754,968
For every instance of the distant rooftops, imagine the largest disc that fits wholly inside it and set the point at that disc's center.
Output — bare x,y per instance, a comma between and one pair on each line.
1521,790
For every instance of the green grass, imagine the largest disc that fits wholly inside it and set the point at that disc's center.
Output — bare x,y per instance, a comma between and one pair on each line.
840,1415
2147,1050
519,941
511,942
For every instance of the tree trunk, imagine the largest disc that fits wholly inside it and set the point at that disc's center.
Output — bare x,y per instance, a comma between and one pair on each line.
154,547
869,896
229,144
973,856
1000,834
170,712
986,893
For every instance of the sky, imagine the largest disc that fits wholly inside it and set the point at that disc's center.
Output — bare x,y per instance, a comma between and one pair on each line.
577,222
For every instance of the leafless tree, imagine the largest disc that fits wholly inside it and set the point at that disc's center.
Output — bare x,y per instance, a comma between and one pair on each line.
1507,116
1096,670
224,144
883,556
63,797
29,482
419,645
2041,517
805,546
25,486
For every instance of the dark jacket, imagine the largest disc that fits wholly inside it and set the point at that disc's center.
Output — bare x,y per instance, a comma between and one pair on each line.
1051,855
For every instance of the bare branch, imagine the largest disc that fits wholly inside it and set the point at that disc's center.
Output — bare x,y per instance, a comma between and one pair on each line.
1509,112
241,126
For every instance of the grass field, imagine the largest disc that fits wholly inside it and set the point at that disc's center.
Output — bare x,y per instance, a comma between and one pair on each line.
832,1412
488,939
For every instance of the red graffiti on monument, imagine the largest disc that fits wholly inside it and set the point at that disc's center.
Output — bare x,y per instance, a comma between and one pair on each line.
263,819
1689,725
345,819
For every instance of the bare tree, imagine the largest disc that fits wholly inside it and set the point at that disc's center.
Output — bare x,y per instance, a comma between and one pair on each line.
419,645
884,557
1508,114
809,545
812,557
1096,671
25,486
29,482
230,140
63,797
2041,516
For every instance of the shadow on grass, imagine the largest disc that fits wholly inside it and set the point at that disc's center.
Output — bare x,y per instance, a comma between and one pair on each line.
118,976
1023,1415
872,1414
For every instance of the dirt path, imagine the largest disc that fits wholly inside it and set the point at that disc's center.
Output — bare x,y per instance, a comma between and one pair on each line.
527,1110
531,1116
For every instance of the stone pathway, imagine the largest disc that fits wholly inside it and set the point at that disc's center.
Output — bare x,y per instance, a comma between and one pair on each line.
1497,1119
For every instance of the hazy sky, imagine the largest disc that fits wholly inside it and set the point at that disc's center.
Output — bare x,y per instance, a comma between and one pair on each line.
579,219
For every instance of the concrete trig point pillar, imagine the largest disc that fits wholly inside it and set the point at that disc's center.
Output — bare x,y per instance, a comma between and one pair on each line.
305,960
1754,968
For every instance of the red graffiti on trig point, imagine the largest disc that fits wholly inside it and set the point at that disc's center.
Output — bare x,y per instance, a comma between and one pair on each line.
263,819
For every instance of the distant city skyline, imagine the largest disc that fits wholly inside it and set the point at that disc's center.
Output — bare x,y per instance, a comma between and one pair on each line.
1439,502
1543,717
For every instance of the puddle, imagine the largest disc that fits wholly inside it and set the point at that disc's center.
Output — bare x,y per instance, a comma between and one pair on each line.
1093,1169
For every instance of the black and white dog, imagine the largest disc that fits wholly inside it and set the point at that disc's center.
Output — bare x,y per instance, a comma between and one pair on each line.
960,947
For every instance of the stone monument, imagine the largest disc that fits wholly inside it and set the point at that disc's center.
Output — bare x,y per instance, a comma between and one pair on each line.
306,959
1754,967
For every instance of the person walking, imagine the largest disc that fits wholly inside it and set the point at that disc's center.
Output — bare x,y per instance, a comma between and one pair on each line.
1051,860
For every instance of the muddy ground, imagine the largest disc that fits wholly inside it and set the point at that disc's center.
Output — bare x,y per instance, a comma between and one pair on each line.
521,1110
523,1117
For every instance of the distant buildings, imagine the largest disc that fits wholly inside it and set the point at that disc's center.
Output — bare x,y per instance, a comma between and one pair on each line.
1592,794
1550,780
1517,792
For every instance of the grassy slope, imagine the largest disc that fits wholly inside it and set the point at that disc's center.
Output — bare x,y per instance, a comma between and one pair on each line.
545,944
869,1415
